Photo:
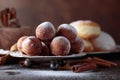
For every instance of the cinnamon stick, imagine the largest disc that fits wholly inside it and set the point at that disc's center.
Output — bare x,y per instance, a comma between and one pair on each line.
2,12
5,21
98,61
9,15
102,64
105,61
13,12
83,67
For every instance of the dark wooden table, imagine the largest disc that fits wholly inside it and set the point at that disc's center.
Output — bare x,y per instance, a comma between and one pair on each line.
15,72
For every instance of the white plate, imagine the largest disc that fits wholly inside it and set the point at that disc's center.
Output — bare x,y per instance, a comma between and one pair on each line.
44,58
106,52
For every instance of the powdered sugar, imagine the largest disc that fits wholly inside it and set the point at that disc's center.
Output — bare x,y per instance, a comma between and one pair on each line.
69,27
4,52
45,31
106,42
60,46
47,25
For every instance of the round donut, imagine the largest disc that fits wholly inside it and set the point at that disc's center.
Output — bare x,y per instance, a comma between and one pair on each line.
77,46
32,46
67,31
104,42
88,46
45,31
87,29
60,46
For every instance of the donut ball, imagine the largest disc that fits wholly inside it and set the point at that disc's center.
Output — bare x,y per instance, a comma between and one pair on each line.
68,31
77,46
19,42
104,42
45,50
88,46
14,47
60,46
32,46
45,31
47,42
86,29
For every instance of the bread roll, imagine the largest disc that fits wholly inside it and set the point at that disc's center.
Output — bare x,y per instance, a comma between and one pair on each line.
88,46
86,29
14,47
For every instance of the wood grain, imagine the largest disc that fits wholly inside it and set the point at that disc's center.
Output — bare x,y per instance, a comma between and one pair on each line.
32,13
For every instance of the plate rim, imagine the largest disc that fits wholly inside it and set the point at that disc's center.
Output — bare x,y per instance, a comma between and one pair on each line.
105,52
50,57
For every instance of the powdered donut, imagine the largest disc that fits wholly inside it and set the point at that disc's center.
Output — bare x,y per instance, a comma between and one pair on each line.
77,46
60,46
45,31
88,46
104,42
19,42
45,50
86,29
68,31
32,46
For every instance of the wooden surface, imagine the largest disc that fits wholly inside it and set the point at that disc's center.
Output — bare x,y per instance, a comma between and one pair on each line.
9,36
14,72
32,13
41,71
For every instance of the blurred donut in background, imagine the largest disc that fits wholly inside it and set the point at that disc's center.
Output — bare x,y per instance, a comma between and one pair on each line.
104,42
88,46
87,29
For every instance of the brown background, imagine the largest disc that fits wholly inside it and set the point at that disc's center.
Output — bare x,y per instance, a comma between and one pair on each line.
33,12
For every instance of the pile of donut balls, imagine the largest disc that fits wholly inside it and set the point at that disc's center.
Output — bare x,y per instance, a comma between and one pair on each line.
67,39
